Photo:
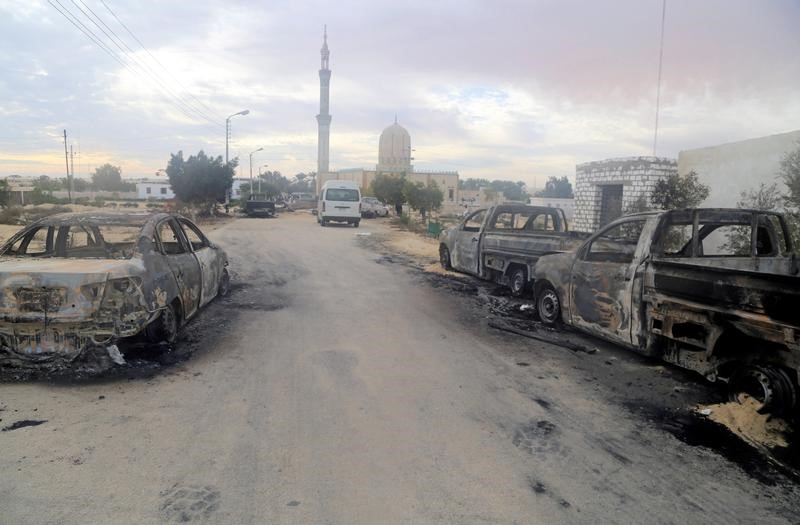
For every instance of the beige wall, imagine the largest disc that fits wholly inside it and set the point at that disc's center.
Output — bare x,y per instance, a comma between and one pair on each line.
732,168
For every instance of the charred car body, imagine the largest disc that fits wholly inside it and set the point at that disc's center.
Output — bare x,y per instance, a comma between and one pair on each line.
502,243
71,282
711,290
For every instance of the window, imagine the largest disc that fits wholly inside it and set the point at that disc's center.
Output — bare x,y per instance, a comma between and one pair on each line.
170,240
543,222
341,195
148,190
82,242
163,191
450,194
35,243
724,234
771,239
616,244
474,221
677,240
196,239
504,221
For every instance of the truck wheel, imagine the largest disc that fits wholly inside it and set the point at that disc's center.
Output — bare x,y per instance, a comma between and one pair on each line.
770,386
518,282
356,223
548,305
444,257
323,223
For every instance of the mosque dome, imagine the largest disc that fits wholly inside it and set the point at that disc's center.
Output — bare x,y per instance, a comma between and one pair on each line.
394,149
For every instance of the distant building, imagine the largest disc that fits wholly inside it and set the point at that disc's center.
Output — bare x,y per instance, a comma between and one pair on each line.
154,189
394,158
729,169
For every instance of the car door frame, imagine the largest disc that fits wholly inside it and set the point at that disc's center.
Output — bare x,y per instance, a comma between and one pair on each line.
468,242
208,259
184,267
601,291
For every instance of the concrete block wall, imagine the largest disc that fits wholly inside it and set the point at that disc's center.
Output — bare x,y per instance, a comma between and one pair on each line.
637,175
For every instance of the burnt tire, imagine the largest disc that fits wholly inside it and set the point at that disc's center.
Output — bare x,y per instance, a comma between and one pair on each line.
518,282
224,284
548,305
769,385
164,328
444,257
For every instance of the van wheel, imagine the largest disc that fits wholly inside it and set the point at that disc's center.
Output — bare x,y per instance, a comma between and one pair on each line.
356,223
518,282
548,305
323,223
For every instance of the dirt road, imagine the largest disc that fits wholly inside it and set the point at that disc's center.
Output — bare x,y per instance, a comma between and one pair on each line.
338,384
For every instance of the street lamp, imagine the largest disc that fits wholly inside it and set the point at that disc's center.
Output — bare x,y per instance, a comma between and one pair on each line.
227,138
259,176
251,169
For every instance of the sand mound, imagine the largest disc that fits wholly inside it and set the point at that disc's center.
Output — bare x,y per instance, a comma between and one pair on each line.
743,419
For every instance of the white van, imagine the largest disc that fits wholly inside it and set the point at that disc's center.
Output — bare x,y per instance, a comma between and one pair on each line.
339,201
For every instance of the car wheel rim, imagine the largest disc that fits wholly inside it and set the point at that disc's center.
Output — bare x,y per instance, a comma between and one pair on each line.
516,286
548,306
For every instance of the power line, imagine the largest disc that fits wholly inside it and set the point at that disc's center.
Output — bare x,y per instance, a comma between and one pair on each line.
658,87
154,58
131,54
97,40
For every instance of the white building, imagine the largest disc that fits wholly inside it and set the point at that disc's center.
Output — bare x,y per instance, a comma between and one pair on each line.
568,205
154,189
729,169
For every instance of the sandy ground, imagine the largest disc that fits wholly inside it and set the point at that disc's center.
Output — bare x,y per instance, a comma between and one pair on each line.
339,384
743,419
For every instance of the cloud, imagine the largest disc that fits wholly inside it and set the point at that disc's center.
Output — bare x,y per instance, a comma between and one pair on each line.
519,89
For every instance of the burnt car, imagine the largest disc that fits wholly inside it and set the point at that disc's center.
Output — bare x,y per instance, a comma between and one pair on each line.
79,281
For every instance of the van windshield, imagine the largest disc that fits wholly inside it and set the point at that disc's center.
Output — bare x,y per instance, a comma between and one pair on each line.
342,195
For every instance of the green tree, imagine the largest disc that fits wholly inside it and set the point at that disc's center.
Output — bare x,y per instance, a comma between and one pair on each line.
200,180
109,178
5,194
513,191
679,191
389,189
790,172
423,198
556,187
472,184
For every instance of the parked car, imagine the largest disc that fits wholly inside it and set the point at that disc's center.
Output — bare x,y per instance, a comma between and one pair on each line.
715,291
76,281
259,207
340,201
372,207
503,243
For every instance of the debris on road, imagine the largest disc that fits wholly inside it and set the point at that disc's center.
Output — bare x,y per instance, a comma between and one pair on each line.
24,423
565,343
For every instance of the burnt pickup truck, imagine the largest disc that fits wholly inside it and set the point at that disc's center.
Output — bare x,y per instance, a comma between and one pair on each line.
715,291
502,243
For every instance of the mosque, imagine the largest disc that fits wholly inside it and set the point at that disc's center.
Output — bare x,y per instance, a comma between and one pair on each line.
394,150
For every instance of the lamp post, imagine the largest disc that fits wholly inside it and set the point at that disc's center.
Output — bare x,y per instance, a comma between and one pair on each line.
259,176
227,138
251,169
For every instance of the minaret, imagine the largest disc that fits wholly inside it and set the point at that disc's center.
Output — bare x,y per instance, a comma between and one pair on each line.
324,117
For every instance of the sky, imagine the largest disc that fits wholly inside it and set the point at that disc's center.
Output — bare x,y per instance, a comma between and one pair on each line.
519,90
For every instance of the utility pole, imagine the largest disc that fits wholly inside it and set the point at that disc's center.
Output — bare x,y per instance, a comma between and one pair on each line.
660,63
72,162
66,162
